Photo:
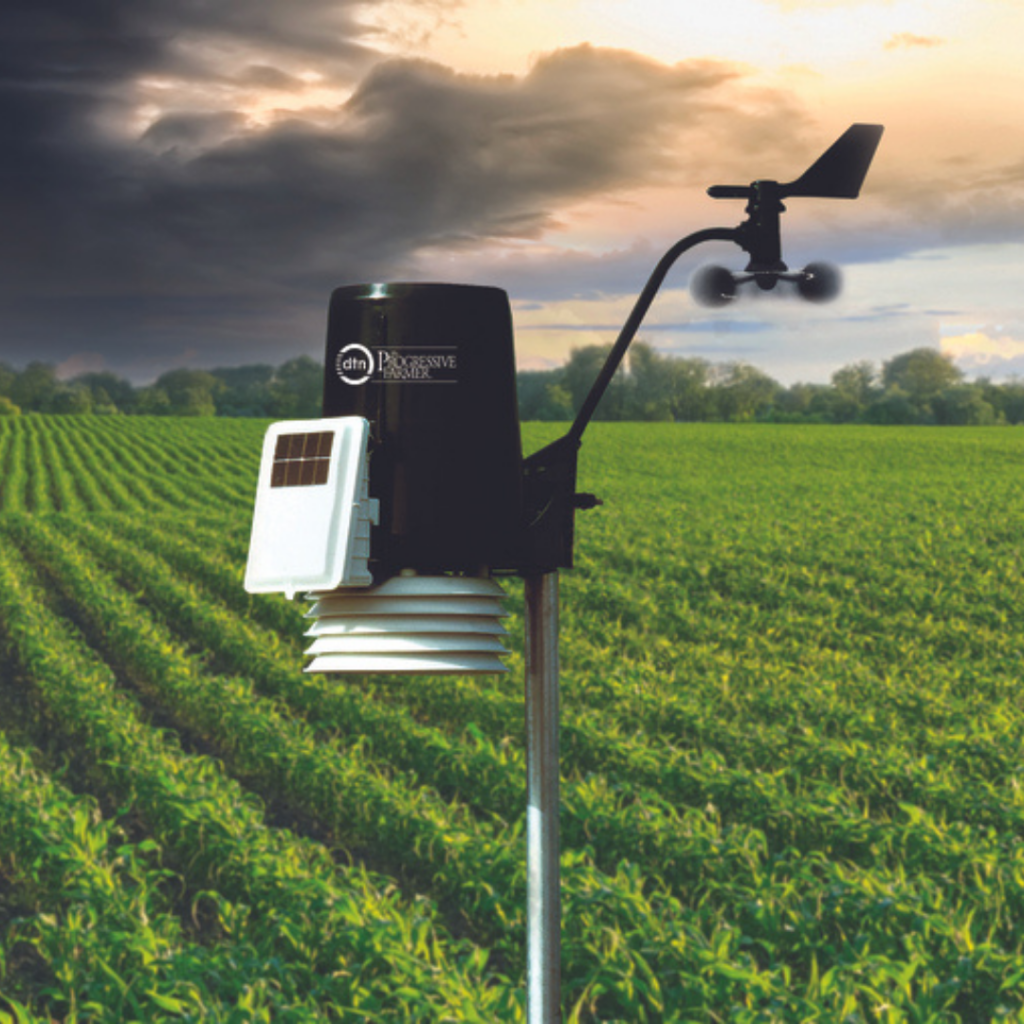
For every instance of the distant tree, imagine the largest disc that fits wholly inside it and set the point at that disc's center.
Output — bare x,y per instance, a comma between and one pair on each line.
741,391
1007,400
856,380
689,393
190,392
647,391
920,386
893,408
1012,402
246,390
153,401
795,401
963,405
7,407
542,396
103,404
296,391
74,400
109,392
34,387
580,372
855,387
557,405
7,378
803,403
194,401
830,406
921,373
530,388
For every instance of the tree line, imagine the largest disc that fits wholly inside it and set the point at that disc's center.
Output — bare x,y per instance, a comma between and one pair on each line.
921,386
290,391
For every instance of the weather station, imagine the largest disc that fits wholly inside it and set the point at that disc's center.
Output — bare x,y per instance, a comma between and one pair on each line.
399,511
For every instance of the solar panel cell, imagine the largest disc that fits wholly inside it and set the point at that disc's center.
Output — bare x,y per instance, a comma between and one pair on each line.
302,460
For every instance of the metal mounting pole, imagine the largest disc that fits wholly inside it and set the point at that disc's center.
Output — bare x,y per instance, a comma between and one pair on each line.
543,896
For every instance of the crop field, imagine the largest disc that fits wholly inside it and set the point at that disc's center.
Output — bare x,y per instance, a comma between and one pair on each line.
792,736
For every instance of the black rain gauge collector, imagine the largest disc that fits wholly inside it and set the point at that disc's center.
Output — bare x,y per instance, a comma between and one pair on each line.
396,512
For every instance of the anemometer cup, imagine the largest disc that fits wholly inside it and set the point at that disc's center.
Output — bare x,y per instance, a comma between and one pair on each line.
712,286
820,282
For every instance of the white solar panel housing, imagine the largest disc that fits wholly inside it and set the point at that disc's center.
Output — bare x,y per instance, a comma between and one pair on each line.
311,524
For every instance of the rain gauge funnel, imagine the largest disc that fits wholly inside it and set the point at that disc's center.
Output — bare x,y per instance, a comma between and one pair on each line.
395,512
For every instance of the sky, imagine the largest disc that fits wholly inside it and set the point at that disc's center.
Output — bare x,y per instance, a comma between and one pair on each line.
183,182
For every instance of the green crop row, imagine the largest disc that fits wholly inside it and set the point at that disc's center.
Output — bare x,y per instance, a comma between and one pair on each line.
51,464
320,934
630,821
214,560
98,912
15,478
489,772
89,475
164,471
488,776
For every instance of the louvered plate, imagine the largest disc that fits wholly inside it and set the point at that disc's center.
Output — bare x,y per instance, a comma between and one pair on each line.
417,643
369,624
430,586
439,664
366,604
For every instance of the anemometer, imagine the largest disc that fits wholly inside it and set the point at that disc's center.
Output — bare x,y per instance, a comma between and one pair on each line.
399,510
837,174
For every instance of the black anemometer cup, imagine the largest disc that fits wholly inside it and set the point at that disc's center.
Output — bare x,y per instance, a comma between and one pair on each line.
432,368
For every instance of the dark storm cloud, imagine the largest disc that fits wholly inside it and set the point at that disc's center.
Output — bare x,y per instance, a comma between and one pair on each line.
203,233
66,63
82,236
90,42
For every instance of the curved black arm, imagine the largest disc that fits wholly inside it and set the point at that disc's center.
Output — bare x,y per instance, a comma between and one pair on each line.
549,475
636,317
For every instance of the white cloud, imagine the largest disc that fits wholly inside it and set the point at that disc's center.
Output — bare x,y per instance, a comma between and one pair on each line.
988,351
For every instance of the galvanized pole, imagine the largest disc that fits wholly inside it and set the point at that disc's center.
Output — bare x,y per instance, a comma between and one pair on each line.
543,896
